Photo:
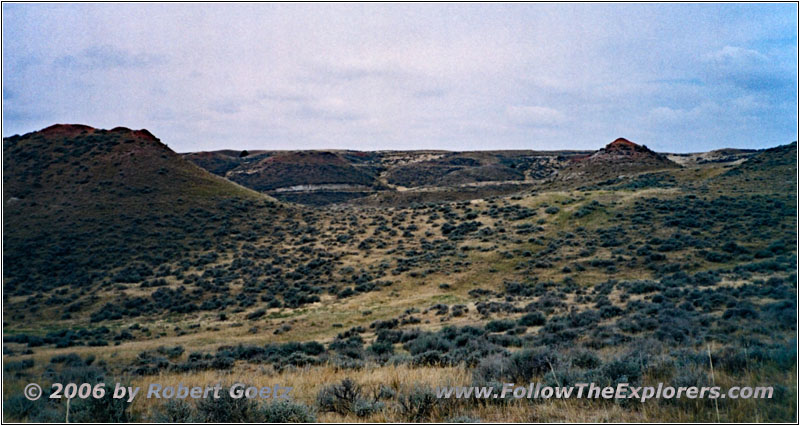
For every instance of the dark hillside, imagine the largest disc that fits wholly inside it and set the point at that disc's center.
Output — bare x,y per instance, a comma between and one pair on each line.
290,169
80,202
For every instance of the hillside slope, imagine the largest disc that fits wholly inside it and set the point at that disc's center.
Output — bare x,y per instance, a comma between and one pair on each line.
80,201
289,169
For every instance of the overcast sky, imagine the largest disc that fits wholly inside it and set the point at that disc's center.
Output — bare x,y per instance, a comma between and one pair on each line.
676,77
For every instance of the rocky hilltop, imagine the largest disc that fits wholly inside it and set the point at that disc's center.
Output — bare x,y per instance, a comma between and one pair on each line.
620,157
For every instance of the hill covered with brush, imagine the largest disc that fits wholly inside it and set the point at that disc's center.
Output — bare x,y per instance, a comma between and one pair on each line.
617,158
81,202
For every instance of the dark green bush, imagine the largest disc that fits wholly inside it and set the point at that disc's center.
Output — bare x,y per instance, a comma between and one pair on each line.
103,410
227,409
532,319
418,404
339,398
285,412
500,325
18,407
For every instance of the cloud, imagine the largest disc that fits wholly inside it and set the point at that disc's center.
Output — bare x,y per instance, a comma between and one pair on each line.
226,106
747,69
736,56
321,108
667,117
532,115
281,96
333,72
107,57
430,93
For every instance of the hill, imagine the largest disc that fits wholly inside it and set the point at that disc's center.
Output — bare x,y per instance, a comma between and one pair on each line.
80,202
306,177
620,157
64,165
617,158
216,162
725,155
782,157
289,169
773,169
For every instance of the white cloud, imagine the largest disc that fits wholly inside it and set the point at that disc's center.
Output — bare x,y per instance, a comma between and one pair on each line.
736,55
532,115
707,113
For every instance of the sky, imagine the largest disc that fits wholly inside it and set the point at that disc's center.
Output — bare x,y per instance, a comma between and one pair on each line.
674,77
